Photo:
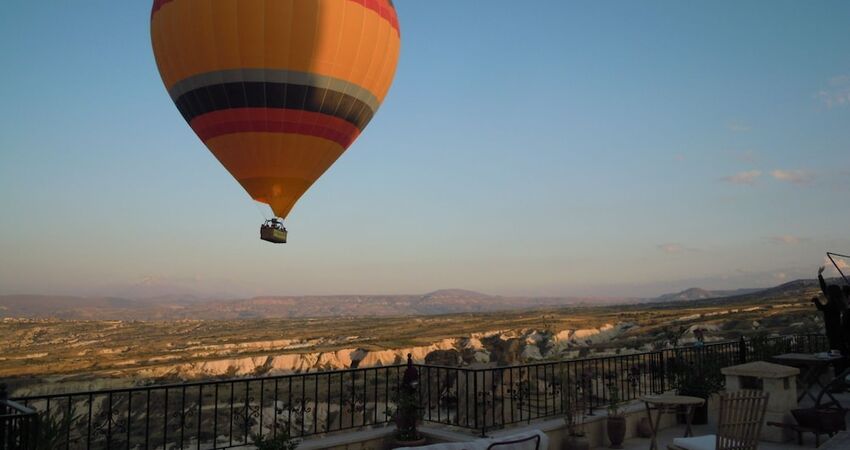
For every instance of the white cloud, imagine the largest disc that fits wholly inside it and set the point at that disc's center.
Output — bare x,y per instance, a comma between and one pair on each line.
674,248
838,92
738,127
830,268
671,248
793,176
749,177
780,276
840,262
747,156
786,239
840,80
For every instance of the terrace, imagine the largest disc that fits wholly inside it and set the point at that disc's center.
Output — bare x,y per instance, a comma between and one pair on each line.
355,408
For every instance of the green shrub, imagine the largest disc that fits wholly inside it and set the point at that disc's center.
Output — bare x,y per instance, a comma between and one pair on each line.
52,430
282,441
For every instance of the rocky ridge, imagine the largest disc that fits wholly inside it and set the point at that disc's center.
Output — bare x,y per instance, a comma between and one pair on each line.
497,346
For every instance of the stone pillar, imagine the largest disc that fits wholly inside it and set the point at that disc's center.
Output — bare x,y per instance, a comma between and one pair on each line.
779,381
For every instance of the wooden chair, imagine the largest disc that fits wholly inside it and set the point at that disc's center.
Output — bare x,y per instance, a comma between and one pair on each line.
738,427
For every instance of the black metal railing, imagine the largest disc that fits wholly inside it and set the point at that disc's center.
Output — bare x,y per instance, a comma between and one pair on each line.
231,413
18,424
484,399
220,414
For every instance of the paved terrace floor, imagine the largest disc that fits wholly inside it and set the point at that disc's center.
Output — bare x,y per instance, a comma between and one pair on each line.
666,436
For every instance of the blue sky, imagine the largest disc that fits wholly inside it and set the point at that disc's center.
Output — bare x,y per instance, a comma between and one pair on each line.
565,148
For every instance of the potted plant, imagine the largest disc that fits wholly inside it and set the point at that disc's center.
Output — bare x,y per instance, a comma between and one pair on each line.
281,440
700,377
51,429
616,422
574,421
407,409
576,440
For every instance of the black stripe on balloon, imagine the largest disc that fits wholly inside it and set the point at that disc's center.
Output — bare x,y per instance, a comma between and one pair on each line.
274,95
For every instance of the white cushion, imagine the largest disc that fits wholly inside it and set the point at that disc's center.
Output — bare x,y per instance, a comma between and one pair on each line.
483,444
707,442
441,446
526,445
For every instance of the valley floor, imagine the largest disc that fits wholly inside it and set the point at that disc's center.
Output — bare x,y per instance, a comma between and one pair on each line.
55,354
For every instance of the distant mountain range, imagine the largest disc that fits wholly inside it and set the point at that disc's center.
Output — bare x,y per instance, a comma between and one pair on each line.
164,308
448,301
700,294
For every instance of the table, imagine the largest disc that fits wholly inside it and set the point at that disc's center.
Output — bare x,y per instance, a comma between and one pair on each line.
668,403
812,366
841,441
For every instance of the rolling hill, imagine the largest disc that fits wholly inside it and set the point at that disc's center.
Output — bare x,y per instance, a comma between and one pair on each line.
446,301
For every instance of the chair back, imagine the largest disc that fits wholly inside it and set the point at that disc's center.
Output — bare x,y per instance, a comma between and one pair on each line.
741,418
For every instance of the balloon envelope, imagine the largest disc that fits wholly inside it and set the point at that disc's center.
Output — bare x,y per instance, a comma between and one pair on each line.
276,89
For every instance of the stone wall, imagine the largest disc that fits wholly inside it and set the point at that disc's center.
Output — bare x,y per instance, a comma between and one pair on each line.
595,429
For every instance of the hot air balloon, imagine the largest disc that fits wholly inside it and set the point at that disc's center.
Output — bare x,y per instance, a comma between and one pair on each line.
276,89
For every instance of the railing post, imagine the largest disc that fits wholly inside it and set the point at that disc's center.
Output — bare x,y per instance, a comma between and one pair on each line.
3,397
475,403
742,350
662,367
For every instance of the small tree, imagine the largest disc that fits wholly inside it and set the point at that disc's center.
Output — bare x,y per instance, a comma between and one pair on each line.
280,441
764,347
574,418
53,428
699,378
407,405
574,408
615,403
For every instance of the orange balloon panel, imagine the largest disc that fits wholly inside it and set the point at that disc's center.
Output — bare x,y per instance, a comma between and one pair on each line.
276,89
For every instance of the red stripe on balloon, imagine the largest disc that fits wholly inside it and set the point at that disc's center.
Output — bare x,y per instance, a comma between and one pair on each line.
382,7
267,120
158,4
